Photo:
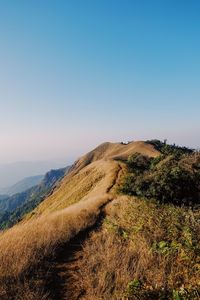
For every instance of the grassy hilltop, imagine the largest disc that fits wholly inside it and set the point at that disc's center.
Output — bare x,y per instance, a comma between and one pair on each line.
123,223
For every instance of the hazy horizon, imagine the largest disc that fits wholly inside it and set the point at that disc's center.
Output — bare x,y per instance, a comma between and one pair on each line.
67,158
12,173
75,74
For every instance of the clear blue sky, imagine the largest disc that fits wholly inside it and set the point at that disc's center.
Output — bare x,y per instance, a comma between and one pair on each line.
76,73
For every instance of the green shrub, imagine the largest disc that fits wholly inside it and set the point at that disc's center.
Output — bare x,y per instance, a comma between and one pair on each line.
173,178
167,149
138,163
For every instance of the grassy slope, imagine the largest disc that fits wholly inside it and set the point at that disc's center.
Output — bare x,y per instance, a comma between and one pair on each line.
91,181
24,247
149,243
91,175
143,251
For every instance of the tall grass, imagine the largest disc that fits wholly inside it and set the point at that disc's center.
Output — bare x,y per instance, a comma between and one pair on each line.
24,247
143,251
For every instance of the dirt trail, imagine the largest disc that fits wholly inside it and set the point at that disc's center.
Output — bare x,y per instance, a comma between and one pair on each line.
117,178
64,278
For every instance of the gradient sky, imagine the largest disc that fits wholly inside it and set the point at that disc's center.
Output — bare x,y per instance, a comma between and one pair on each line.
77,73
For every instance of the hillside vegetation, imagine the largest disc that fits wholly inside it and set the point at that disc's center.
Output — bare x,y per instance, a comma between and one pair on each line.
13,208
22,185
91,175
171,177
141,245
143,251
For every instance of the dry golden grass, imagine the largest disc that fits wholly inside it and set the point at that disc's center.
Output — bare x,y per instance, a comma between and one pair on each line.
24,247
115,151
143,251
92,175
94,180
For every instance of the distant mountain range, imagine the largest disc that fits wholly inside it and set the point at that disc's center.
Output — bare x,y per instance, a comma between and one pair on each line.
22,185
10,173
12,208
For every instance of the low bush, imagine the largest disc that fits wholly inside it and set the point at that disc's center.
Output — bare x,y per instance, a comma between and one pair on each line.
167,149
168,178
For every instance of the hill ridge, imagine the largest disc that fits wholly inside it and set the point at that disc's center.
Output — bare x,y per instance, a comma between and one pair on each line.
91,174
87,241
